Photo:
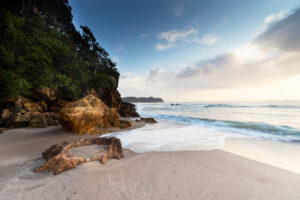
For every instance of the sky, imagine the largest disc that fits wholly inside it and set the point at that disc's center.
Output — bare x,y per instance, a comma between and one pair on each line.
199,50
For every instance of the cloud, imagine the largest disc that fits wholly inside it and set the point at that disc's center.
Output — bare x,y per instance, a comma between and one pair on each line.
161,47
275,17
175,38
270,20
267,67
284,34
152,74
175,35
209,39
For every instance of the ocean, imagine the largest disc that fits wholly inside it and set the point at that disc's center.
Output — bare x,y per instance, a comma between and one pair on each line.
182,125
269,131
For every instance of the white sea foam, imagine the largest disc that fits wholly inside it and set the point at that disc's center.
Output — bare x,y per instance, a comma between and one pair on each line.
166,136
204,126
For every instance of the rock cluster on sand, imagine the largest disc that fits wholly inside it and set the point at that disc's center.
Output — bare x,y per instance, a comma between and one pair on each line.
59,157
44,107
87,114
28,114
147,120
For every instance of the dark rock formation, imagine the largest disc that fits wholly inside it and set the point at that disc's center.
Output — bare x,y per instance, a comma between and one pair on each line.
112,98
59,157
142,99
147,120
125,124
128,110
87,114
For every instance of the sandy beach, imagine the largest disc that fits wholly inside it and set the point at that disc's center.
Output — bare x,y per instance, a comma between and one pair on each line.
156,175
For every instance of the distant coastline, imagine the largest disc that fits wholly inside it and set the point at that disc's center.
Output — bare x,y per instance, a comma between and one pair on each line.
142,99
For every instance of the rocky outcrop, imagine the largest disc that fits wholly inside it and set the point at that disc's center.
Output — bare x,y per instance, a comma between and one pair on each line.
112,98
87,114
59,157
147,120
128,110
124,124
41,94
26,113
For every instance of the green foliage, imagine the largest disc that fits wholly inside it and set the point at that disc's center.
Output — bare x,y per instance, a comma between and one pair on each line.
39,47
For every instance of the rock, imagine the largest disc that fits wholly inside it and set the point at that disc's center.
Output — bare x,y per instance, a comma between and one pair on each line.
59,157
146,120
56,106
43,105
61,162
128,110
24,105
37,120
53,150
27,114
6,115
125,124
52,118
112,98
87,114
42,94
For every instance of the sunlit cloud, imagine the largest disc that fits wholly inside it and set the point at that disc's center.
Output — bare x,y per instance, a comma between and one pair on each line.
254,70
275,17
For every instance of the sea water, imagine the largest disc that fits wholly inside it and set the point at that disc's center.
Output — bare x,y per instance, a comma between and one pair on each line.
205,125
270,129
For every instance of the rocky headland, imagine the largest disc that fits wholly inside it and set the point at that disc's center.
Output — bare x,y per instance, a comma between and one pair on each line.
142,99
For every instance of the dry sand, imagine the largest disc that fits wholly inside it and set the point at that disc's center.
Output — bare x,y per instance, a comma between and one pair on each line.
169,175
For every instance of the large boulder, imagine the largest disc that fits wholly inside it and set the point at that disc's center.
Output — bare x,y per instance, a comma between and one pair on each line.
128,110
87,114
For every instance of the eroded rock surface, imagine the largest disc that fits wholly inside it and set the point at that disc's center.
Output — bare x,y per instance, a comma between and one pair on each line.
59,157
87,114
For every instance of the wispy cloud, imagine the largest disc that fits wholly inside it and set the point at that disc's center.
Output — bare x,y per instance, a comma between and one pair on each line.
161,47
175,35
209,39
174,38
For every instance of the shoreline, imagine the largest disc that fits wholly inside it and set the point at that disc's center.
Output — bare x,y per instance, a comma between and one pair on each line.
266,152
211,174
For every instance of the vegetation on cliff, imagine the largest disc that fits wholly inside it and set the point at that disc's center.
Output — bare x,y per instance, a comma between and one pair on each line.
40,47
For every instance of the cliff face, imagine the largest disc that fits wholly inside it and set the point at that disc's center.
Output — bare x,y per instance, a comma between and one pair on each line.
44,58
